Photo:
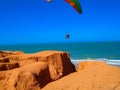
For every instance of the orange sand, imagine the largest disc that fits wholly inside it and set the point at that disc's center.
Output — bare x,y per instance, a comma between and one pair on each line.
53,70
90,75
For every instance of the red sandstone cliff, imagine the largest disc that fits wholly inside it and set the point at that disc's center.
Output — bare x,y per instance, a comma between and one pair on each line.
53,70
32,71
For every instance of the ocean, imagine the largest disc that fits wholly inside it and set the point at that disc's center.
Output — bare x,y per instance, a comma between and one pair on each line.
79,51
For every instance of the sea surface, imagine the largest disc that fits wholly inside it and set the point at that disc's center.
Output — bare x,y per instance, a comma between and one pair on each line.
79,51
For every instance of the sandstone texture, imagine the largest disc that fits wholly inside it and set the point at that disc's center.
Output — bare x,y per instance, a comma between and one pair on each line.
53,70
20,71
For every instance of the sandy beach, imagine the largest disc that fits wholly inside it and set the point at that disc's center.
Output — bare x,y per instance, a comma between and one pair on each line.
53,70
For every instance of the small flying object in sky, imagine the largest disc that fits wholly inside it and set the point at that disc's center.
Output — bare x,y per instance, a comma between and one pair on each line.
67,36
48,1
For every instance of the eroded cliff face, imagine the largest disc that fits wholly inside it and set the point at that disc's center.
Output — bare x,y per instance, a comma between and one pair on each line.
20,71
8,53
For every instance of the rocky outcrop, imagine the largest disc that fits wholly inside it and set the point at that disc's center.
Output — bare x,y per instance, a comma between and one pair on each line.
41,71
33,71
5,63
3,60
7,53
90,75
59,62
29,77
8,66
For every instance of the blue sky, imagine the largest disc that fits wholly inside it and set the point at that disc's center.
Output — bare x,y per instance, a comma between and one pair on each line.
35,21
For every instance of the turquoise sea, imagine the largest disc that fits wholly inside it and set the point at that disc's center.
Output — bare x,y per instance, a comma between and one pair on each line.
79,51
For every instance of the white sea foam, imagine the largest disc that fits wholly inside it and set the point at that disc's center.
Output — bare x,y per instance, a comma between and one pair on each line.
108,61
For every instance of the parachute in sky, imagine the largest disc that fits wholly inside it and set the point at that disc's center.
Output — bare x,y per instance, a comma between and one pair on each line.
75,4
67,36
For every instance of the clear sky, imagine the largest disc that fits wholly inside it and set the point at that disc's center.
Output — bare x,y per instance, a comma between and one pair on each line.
35,21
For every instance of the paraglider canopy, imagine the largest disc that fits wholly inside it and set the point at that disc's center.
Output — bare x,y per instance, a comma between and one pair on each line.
75,4
67,36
